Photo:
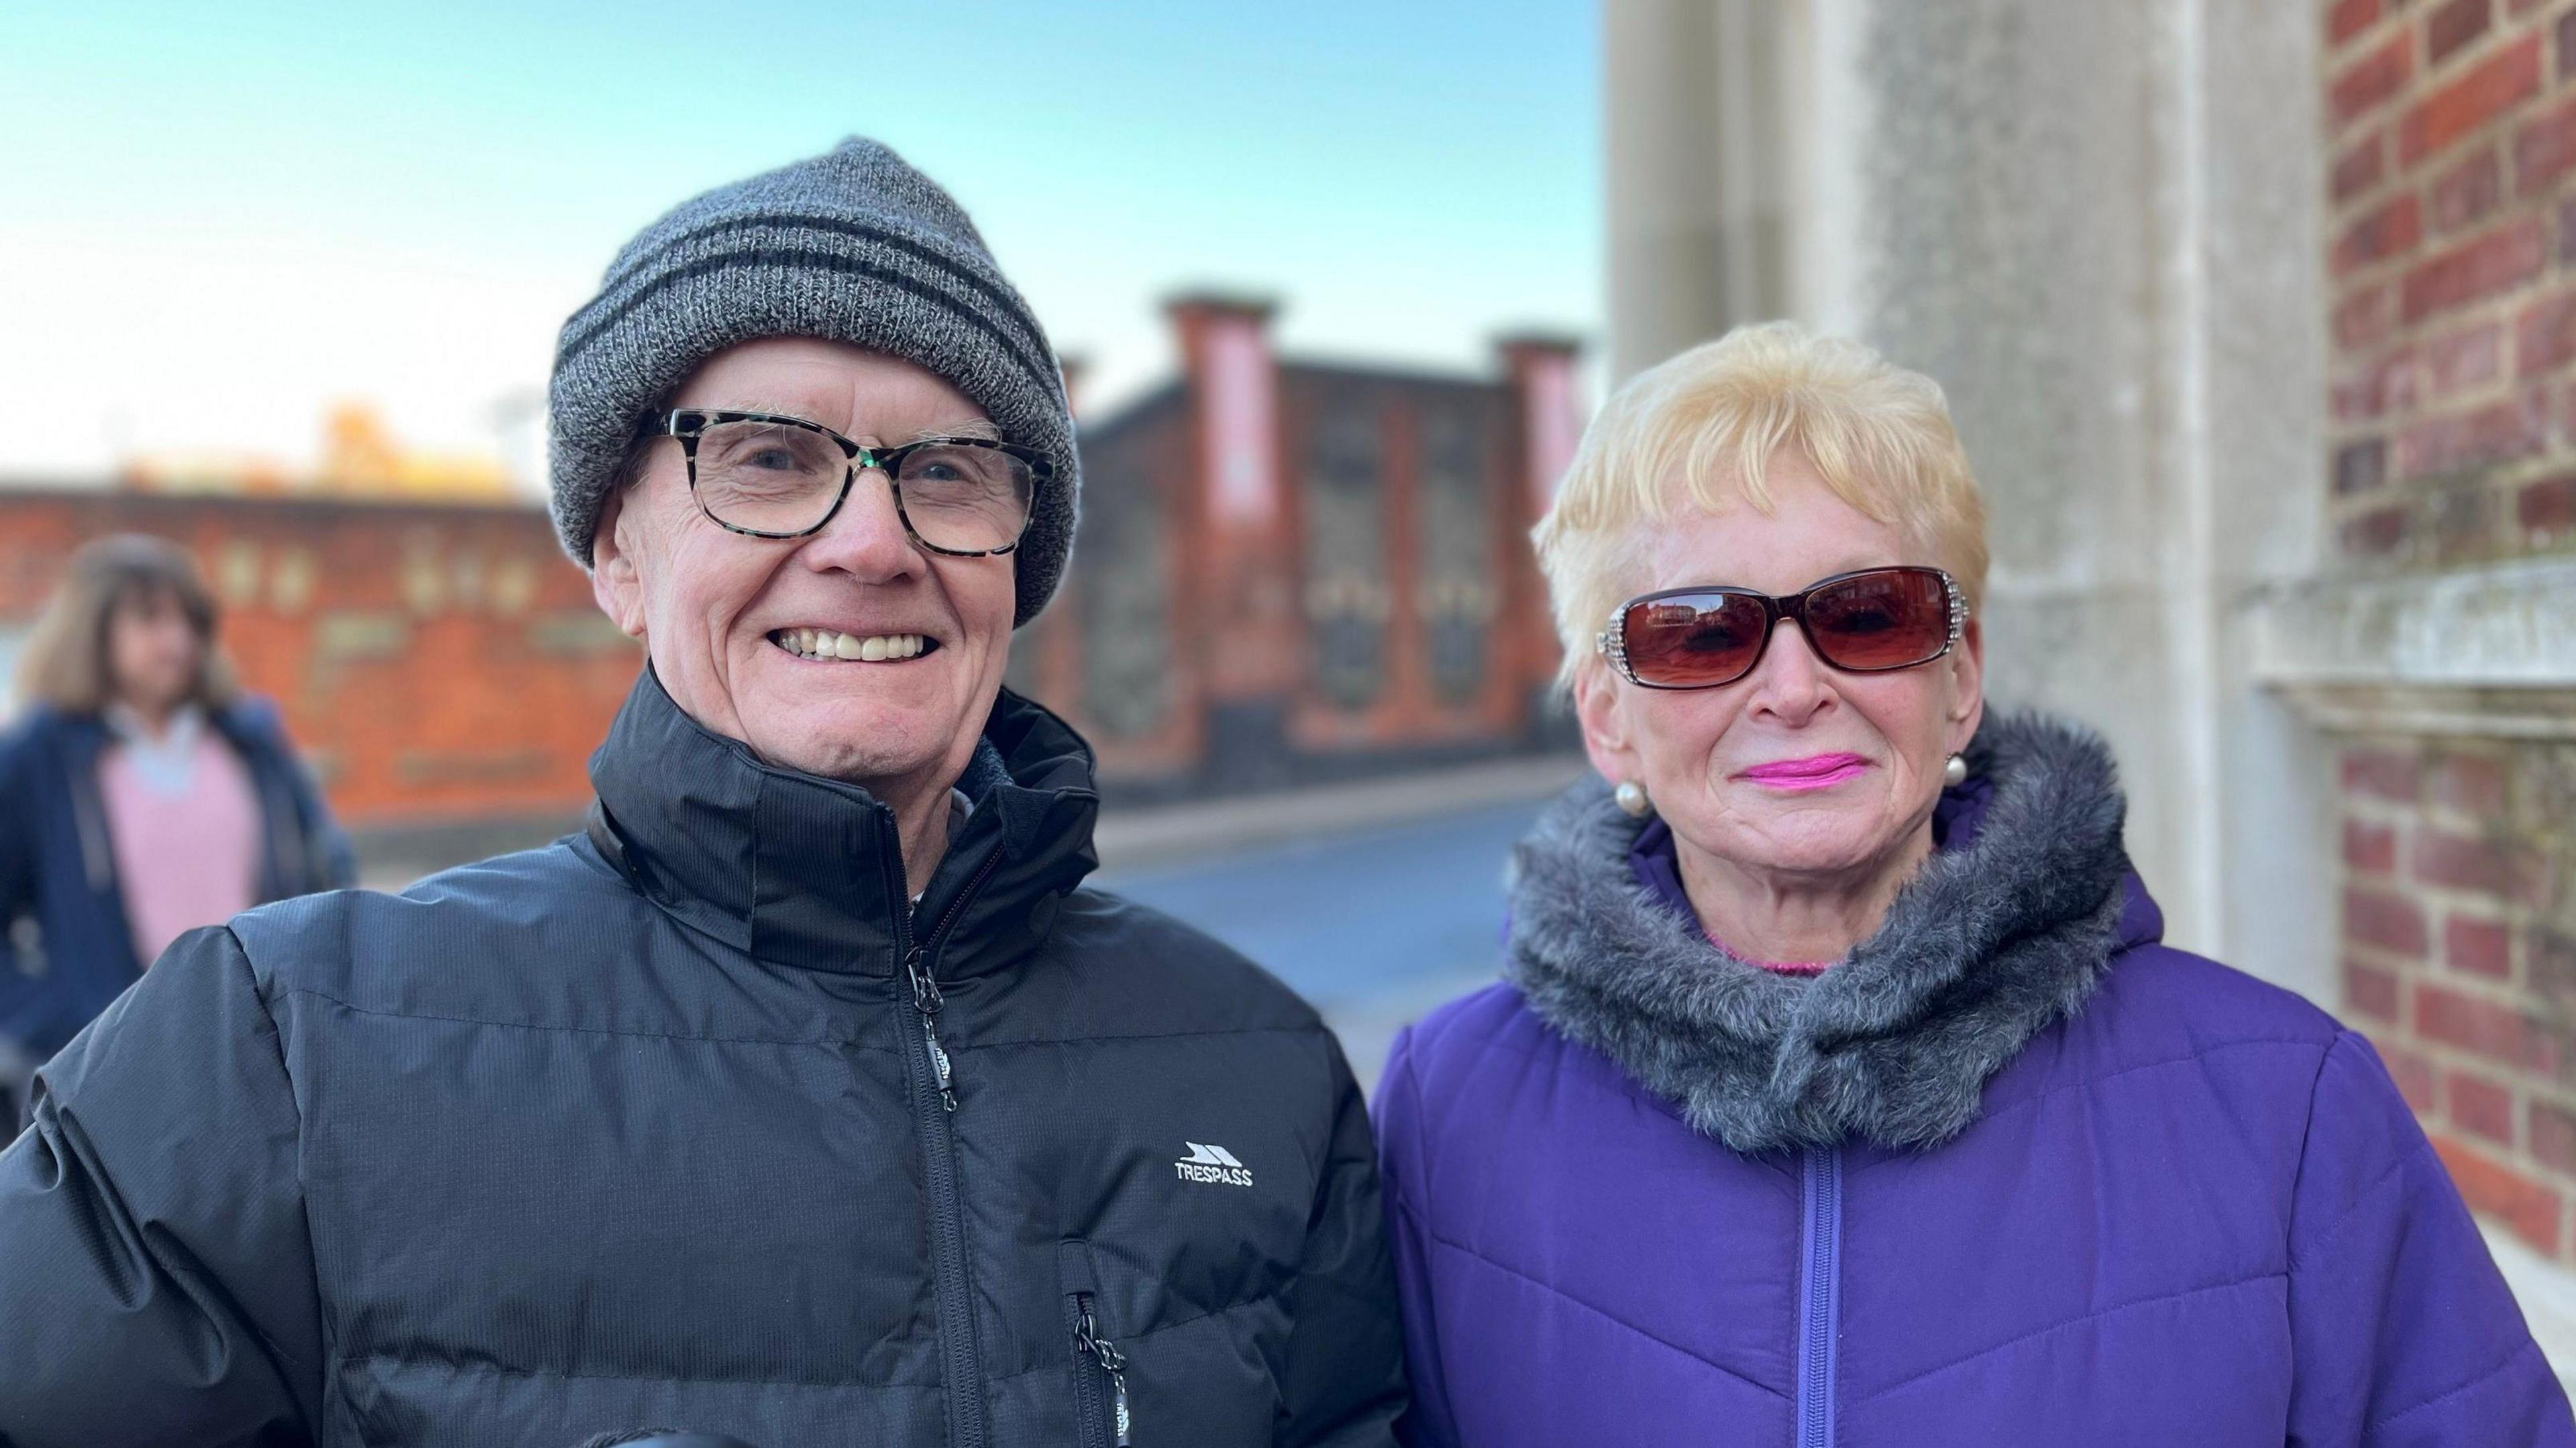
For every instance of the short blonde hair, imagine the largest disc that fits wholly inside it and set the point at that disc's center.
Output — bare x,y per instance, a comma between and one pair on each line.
1711,420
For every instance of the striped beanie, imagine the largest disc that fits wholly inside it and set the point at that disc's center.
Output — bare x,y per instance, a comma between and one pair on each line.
850,246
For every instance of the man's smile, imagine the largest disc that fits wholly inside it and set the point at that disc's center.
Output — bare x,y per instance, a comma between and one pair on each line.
822,645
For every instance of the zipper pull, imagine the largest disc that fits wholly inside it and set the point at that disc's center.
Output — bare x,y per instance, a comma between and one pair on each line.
939,1064
1118,1397
1113,1362
925,991
926,1000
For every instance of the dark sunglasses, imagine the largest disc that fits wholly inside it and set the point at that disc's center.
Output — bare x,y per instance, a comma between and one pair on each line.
1865,622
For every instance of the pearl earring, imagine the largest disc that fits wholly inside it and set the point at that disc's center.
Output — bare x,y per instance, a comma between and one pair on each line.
1632,797
1955,773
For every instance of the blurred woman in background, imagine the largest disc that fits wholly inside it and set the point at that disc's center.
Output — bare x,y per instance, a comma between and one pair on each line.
142,796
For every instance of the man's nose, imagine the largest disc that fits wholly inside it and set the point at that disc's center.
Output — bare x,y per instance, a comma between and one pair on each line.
867,537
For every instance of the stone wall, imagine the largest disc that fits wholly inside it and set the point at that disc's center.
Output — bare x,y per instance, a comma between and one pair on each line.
2058,219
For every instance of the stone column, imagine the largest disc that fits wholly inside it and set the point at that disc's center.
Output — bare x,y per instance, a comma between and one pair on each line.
1698,174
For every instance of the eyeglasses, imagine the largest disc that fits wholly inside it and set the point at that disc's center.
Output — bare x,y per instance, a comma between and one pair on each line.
1865,622
770,476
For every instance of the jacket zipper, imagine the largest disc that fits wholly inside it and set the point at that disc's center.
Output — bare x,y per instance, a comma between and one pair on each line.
926,1001
934,1076
1087,1342
284,839
1819,1294
291,846
87,809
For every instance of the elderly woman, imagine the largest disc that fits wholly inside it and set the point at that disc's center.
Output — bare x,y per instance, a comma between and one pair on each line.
1840,1090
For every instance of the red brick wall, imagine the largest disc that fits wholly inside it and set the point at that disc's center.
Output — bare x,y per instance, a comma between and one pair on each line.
2459,963
2452,135
436,663
1407,710
1239,629
2451,190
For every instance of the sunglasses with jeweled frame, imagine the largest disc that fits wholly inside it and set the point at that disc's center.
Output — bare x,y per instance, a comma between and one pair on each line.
1941,619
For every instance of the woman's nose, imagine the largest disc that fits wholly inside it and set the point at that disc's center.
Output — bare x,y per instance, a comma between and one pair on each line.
1790,682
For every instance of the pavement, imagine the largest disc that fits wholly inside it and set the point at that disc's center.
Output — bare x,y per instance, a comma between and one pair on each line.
1130,838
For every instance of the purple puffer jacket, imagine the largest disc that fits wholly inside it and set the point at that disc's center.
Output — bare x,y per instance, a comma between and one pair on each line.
2015,1173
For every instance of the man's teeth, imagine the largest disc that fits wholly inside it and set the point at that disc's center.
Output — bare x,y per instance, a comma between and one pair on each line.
823,643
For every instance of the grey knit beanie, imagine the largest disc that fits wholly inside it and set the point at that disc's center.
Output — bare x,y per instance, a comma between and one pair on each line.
849,246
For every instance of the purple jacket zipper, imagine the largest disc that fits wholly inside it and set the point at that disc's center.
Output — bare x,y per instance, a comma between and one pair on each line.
1819,1304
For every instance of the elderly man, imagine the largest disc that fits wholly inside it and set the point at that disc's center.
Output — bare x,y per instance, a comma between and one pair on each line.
804,1097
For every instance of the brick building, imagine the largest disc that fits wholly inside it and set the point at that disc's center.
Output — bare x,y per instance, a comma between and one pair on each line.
442,665
2451,188
1289,569
1285,570
2259,322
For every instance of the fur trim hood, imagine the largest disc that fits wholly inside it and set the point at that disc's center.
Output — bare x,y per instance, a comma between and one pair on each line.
1991,942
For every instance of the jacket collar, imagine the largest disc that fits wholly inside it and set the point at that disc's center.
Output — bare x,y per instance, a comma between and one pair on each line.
2004,931
801,870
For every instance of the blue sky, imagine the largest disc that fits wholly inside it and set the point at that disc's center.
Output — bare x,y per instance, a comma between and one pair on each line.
215,221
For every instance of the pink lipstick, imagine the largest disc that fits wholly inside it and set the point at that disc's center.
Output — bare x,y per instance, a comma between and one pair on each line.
1816,771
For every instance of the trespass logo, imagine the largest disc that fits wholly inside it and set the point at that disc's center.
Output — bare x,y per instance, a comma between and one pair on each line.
1213,1164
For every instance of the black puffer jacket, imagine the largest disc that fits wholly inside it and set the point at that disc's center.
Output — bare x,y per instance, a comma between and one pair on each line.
655,1133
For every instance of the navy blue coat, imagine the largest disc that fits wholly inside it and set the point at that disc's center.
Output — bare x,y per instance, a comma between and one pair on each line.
58,871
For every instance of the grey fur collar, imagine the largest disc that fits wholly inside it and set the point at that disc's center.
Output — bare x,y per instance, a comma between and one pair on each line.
1985,947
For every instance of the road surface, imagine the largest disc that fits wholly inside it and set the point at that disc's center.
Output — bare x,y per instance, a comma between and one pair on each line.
1374,925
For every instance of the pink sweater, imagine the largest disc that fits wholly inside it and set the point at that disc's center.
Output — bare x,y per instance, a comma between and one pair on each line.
183,820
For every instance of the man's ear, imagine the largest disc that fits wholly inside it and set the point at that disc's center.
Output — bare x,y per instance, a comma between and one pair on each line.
1605,733
613,579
